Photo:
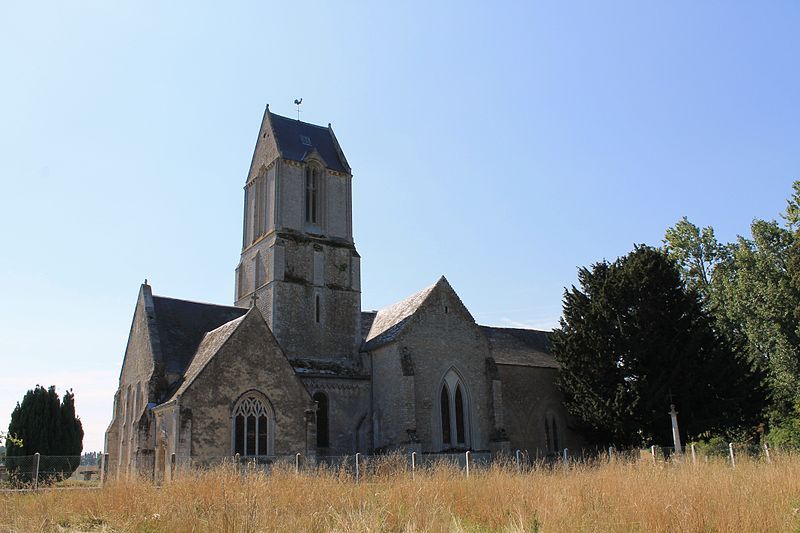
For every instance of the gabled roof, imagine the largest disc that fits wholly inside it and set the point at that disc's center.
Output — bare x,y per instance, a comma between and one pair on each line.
181,325
210,345
523,347
390,321
297,140
367,318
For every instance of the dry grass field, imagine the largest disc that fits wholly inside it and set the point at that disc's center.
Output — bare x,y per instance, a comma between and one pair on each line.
610,496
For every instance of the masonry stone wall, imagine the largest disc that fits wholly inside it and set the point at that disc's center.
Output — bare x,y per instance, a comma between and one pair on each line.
265,151
335,335
529,393
129,434
440,336
335,189
394,402
250,360
302,266
349,427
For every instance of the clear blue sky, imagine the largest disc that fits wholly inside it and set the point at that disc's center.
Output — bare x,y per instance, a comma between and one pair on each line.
501,144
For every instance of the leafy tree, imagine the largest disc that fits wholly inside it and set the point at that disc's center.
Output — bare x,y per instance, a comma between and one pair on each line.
9,439
633,340
696,251
48,426
754,292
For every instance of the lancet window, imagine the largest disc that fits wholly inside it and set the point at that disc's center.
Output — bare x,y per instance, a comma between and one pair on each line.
454,412
312,194
551,433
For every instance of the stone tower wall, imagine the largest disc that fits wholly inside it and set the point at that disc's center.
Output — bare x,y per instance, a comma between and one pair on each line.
306,276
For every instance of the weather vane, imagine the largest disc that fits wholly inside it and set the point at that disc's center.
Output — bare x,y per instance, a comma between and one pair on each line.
297,102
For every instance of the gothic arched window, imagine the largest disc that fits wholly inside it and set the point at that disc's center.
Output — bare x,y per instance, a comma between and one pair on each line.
312,193
252,426
454,412
551,439
445,407
323,439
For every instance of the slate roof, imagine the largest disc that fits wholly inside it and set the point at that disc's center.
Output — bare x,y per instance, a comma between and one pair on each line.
367,318
390,321
181,325
524,347
210,345
288,134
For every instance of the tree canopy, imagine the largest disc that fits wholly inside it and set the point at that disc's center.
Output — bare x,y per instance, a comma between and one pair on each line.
632,340
45,424
752,287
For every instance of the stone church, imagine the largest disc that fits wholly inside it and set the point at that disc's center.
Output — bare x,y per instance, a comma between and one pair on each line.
295,365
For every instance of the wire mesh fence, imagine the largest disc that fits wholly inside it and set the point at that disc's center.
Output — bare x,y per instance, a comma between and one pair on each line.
42,471
39,471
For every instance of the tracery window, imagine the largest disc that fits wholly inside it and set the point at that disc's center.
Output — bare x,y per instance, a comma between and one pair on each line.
252,421
454,412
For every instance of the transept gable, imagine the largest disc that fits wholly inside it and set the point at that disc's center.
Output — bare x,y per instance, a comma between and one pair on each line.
250,331
143,348
391,322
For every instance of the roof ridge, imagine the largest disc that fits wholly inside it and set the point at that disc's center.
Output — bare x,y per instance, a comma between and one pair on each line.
391,319
298,120
191,374
516,329
198,302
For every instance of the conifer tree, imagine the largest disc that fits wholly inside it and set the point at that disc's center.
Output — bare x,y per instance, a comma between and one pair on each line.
633,339
43,424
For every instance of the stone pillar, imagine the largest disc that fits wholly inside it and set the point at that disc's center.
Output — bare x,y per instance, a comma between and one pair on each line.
676,436
311,435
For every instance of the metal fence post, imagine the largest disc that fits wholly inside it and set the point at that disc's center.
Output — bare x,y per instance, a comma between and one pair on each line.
297,463
733,457
358,455
610,453
35,471
566,456
172,464
413,464
653,452
236,459
694,454
466,457
519,465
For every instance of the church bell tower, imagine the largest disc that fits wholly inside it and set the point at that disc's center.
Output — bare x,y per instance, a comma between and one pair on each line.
299,263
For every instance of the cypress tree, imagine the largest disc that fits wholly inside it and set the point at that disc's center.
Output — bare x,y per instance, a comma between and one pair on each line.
48,426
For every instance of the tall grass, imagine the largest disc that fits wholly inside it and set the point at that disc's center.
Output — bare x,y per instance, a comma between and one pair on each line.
605,496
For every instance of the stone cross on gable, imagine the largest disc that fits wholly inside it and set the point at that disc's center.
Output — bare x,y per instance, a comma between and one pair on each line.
253,299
